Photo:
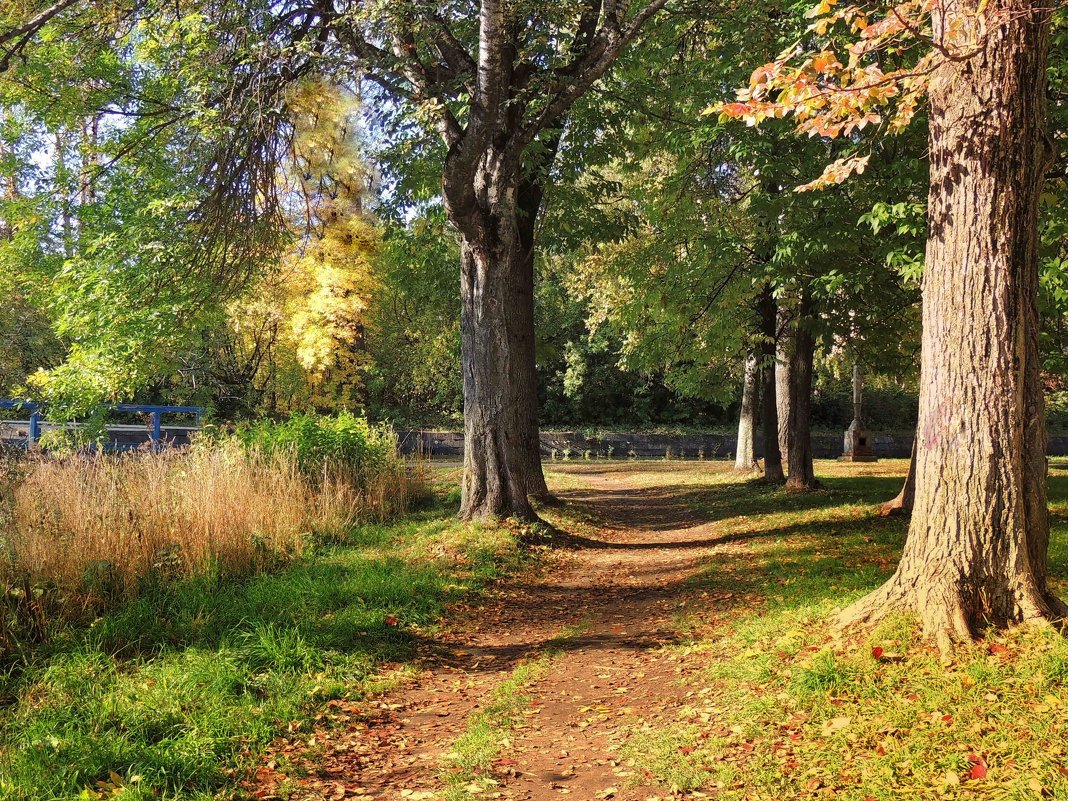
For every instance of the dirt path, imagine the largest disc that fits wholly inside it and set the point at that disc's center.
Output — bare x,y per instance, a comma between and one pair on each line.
616,598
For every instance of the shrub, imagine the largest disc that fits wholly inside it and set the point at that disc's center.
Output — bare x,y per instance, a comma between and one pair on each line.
326,443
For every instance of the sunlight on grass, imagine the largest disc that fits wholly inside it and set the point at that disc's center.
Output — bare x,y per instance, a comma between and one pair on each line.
177,692
784,709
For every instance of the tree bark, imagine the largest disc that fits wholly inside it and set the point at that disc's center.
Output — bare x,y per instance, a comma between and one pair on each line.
768,311
902,502
745,457
783,355
497,336
976,549
802,476
530,196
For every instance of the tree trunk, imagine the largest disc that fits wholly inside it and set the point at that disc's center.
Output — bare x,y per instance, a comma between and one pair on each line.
976,549
768,311
531,193
784,349
902,502
497,337
745,458
802,476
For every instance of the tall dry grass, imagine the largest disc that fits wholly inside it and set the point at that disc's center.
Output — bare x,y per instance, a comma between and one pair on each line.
98,527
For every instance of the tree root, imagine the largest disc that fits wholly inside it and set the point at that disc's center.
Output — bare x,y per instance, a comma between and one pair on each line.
803,486
895,507
547,499
944,617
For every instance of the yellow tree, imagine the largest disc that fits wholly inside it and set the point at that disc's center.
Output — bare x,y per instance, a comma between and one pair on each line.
313,306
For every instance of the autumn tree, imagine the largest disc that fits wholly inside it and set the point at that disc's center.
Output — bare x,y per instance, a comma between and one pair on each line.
976,551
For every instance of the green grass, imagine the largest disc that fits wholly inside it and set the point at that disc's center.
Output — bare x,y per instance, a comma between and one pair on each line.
175,695
486,735
785,709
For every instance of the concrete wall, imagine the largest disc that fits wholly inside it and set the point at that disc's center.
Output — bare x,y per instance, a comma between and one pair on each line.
654,446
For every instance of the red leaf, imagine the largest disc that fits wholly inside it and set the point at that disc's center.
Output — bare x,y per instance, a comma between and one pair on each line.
978,771
947,719
391,620
877,652
975,759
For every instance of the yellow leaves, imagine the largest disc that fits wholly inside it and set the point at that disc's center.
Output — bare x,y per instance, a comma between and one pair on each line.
830,99
822,9
332,295
836,172
835,725
826,62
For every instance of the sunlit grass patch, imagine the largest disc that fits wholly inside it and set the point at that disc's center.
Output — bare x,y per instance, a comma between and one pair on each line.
177,692
786,709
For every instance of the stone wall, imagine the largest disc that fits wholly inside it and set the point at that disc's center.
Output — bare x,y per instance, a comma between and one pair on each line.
574,445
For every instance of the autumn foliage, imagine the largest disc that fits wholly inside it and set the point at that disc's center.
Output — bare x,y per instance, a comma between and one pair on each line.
858,65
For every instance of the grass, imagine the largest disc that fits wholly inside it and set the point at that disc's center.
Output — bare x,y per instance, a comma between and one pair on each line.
82,533
784,709
174,694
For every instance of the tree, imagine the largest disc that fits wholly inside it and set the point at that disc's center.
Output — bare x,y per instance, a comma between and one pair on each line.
745,458
496,82
768,313
977,545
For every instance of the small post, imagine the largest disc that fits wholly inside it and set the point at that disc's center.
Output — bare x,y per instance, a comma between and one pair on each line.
156,419
34,432
858,395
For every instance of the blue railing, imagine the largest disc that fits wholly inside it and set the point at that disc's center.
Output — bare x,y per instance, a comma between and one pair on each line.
155,412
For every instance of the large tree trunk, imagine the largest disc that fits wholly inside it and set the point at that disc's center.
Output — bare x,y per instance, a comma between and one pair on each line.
745,458
802,475
976,548
902,502
769,423
497,336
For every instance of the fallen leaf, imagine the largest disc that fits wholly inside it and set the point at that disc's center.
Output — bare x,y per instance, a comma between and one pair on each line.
835,724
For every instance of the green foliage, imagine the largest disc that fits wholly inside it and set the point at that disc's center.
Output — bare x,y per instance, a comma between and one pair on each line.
413,334
323,443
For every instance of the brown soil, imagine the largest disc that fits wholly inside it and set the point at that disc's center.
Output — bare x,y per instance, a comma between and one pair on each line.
622,587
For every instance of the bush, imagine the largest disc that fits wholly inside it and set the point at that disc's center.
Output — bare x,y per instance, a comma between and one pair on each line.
326,443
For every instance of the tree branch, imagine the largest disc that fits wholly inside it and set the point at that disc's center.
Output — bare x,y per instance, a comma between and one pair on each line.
581,74
22,34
